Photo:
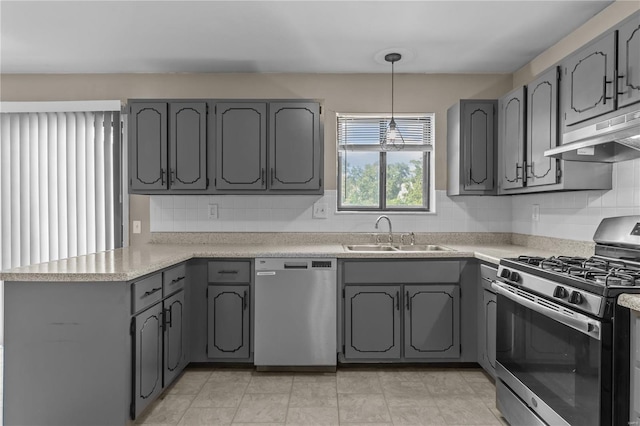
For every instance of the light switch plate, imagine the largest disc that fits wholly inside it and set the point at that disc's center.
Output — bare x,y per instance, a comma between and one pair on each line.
213,211
137,227
320,210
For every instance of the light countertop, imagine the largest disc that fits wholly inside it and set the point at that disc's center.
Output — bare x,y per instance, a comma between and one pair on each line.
132,262
631,301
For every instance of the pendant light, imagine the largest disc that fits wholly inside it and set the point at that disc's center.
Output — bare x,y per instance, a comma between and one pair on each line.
392,139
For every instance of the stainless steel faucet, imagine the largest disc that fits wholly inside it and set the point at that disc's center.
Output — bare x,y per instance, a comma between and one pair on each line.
390,228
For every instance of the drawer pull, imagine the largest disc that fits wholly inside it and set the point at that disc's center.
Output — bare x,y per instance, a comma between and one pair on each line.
228,272
177,280
150,292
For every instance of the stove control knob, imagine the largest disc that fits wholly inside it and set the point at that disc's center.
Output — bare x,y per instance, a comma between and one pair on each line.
575,298
560,292
514,276
505,273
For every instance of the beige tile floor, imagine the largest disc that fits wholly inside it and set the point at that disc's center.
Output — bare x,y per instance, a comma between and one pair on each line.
391,396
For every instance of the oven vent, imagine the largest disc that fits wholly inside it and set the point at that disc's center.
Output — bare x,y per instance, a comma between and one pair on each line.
541,301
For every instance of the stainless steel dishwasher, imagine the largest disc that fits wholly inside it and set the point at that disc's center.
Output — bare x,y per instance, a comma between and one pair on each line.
295,312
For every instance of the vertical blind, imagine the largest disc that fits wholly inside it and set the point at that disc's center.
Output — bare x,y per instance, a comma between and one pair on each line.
59,185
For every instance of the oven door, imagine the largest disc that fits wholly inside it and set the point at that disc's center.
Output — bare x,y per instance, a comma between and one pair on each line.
550,357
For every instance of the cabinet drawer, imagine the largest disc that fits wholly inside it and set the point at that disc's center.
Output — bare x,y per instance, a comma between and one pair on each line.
174,279
146,292
487,274
401,272
230,272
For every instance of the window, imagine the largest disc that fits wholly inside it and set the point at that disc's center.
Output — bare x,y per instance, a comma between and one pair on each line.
59,180
373,179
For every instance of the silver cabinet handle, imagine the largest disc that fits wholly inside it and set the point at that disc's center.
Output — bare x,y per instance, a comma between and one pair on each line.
577,321
262,273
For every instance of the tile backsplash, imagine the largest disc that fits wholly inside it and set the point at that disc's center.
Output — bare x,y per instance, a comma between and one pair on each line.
569,215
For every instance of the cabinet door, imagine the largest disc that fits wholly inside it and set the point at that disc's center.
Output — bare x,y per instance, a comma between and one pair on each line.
228,321
478,140
147,369
511,122
372,322
588,80
542,129
294,145
148,145
490,305
241,143
629,62
188,145
432,321
175,345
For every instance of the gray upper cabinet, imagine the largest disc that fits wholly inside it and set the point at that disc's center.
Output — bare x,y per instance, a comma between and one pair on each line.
294,145
148,142
511,124
259,155
542,129
431,326
629,62
228,335
589,80
188,142
175,345
478,135
471,140
372,322
167,154
241,145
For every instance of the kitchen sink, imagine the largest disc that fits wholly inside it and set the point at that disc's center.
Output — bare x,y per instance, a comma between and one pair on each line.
397,248
421,247
369,247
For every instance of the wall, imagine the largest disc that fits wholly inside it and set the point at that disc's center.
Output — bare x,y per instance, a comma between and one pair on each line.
576,215
294,214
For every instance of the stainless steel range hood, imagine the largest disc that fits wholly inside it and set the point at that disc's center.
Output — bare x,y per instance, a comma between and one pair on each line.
608,141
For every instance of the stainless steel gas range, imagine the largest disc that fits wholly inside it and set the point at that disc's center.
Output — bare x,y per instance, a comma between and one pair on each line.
562,342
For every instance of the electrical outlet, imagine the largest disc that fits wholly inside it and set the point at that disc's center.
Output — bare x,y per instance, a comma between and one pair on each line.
535,213
137,227
213,211
320,210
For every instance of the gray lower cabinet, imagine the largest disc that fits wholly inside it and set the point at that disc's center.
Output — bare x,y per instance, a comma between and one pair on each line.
372,322
471,147
635,368
228,328
487,355
159,334
175,322
486,324
431,321
147,368
397,322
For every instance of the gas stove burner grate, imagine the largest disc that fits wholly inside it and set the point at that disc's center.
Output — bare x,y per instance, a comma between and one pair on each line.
531,260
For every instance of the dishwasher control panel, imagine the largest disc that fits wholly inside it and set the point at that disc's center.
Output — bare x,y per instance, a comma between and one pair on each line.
295,263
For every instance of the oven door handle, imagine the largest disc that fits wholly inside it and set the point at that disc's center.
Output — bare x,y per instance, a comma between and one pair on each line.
579,322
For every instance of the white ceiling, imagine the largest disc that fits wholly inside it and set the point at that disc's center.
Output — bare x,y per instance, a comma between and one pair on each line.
281,36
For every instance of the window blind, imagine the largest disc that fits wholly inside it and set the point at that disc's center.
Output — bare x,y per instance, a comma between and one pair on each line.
59,185
354,130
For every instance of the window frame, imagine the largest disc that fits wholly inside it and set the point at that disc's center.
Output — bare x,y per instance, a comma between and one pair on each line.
427,150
